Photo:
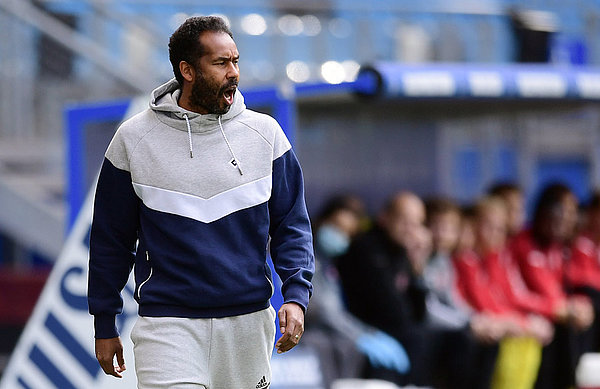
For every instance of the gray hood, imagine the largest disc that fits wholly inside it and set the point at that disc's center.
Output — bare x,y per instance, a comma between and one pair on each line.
163,101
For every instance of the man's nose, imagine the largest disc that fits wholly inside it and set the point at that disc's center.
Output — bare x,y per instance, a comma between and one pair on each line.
233,71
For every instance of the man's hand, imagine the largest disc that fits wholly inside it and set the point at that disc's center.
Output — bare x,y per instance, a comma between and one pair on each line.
291,322
106,349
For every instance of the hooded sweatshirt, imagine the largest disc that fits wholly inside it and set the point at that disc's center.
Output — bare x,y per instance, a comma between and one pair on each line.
192,203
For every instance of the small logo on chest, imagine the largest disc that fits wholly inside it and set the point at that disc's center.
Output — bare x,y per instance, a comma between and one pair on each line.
263,383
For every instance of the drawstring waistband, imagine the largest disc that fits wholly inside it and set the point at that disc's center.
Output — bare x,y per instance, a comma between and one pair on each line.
187,121
235,161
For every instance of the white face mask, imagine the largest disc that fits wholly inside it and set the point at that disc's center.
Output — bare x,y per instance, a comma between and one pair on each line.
331,241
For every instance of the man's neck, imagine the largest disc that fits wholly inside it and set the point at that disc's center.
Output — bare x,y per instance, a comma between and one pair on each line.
185,103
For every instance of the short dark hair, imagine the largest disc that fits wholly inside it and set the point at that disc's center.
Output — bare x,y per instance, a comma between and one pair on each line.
550,196
184,44
503,188
342,202
436,206
594,201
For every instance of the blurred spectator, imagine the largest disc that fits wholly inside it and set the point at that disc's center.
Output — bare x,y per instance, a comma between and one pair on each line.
340,220
378,282
490,279
466,236
583,269
491,282
540,253
382,275
514,201
343,341
447,311
445,308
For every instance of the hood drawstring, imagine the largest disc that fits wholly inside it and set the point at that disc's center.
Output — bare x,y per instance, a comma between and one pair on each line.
187,121
235,161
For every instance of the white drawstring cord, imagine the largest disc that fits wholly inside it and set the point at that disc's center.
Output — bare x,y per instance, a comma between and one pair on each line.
187,121
235,160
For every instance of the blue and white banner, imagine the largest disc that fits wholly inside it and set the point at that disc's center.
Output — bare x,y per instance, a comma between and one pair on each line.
56,349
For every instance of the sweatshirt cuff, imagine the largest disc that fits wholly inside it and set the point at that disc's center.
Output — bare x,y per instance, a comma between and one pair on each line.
297,293
104,326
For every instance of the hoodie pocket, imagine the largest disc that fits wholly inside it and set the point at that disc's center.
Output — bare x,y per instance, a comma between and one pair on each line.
148,278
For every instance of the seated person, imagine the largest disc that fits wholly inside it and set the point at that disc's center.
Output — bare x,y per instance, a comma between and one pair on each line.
490,280
487,277
344,343
583,269
514,201
445,307
540,253
382,280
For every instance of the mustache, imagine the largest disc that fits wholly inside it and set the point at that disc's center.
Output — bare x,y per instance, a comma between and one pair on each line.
229,84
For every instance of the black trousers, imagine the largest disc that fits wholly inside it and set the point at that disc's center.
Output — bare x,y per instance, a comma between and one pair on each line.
446,359
559,358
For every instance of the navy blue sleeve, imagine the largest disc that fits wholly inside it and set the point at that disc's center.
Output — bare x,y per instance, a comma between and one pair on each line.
291,236
112,246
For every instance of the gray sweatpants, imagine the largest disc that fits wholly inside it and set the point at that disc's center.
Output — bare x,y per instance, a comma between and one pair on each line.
225,353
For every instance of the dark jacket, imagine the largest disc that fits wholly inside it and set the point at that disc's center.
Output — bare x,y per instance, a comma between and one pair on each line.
378,284
201,224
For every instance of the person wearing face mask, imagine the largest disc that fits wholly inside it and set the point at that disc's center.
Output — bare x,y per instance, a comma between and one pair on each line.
332,237
347,347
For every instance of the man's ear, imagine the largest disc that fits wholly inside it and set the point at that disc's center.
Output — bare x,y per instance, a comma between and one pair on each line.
187,71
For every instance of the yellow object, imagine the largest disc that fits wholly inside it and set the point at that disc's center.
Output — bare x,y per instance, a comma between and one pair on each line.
517,364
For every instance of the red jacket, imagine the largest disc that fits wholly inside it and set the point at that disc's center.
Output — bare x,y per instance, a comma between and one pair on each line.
583,268
542,270
494,284
476,287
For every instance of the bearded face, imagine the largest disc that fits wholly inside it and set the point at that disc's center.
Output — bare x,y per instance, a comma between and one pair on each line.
213,97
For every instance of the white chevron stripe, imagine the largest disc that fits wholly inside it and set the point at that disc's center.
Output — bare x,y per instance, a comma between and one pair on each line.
205,210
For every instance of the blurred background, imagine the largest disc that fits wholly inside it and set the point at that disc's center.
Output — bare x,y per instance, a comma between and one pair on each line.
453,96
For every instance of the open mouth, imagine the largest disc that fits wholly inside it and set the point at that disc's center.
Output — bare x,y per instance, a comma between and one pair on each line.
228,94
